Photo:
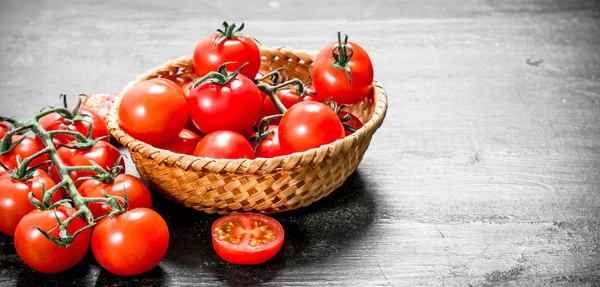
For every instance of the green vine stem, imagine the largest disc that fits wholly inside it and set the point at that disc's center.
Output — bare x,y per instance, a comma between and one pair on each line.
271,91
66,182
263,130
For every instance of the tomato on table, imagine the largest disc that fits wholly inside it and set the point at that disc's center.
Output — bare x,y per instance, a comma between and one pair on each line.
40,253
4,128
224,144
26,148
138,193
153,111
307,125
185,143
130,243
14,202
247,238
343,72
102,153
55,122
227,45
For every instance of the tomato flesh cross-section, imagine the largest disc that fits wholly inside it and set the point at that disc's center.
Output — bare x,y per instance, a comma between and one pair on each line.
247,238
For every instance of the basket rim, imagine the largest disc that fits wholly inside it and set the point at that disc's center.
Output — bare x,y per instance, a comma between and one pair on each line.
245,166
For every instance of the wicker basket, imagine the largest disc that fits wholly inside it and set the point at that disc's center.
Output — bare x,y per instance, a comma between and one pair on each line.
260,185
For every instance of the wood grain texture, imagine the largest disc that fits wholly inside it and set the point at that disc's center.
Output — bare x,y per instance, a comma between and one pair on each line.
486,171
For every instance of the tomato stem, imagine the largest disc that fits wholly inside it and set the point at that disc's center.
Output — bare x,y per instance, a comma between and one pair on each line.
271,91
342,57
221,77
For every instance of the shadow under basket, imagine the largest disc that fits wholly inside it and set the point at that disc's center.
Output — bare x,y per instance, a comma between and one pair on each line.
260,185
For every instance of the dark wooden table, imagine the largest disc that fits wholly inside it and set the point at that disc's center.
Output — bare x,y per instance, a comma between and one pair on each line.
486,171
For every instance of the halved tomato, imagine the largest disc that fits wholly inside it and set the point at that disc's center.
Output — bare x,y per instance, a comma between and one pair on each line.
247,238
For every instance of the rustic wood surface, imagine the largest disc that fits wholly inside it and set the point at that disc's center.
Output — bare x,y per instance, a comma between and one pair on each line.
485,172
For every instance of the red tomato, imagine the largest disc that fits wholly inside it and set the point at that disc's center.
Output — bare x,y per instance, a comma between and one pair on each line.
130,243
26,148
99,103
233,47
288,98
4,128
137,192
247,238
354,122
185,143
309,125
186,87
224,144
333,83
234,106
153,111
103,153
53,122
42,254
269,147
14,202
311,95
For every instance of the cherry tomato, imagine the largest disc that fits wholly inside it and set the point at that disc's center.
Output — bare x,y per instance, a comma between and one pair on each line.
54,121
185,143
224,144
42,254
186,87
247,238
354,122
307,125
153,111
26,148
138,193
233,47
234,106
269,147
333,83
99,103
288,98
14,202
130,243
103,153
4,128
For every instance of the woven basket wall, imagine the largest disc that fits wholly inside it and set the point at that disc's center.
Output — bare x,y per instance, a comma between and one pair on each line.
260,185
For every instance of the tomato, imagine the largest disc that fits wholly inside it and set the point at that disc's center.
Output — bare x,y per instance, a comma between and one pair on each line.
138,193
4,128
235,105
26,148
224,144
186,87
185,143
130,243
226,46
153,111
42,254
99,103
247,238
54,121
311,95
269,147
307,125
333,83
103,153
354,122
14,202
288,98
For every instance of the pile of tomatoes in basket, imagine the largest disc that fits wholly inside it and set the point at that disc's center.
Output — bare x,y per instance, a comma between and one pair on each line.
231,110
234,110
